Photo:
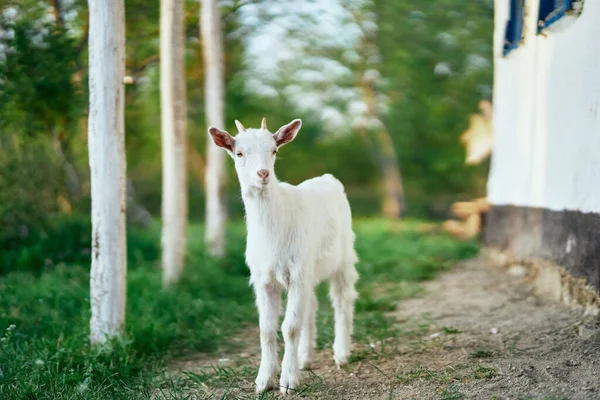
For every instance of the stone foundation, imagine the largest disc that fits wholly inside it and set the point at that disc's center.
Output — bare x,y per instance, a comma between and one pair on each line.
560,250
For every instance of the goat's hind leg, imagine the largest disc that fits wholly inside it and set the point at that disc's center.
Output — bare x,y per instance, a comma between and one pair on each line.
343,295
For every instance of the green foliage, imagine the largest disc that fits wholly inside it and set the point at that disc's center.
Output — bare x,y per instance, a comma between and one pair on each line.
43,93
30,182
427,114
47,355
429,110
65,240
35,236
37,86
42,100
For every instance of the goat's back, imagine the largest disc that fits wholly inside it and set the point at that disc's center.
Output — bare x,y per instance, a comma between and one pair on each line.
330,220
326,193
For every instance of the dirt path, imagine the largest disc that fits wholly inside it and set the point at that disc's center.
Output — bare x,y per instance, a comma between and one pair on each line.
477,333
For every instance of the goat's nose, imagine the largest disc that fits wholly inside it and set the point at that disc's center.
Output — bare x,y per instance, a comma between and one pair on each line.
263,173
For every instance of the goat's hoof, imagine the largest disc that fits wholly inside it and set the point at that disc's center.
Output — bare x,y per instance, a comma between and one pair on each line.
340,361
288,385
261,388
305,365
264,384
287,391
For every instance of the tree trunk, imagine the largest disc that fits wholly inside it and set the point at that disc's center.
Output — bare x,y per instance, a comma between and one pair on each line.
393,191
136,213
392,206
383,148
197,164
55,4
71,177
106,142
216,212
174,121
72,180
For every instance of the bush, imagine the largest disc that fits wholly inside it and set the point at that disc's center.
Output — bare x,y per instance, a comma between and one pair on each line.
30,183
34,235
67,240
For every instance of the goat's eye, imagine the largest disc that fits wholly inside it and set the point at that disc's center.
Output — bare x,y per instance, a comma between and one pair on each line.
274,151
239,154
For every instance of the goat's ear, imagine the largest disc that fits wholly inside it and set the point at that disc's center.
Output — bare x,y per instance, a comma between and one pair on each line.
221,138
288,132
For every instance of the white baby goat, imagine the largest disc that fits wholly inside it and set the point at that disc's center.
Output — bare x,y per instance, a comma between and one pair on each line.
298,236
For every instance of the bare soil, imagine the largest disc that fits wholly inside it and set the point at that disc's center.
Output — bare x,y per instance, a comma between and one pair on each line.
477,332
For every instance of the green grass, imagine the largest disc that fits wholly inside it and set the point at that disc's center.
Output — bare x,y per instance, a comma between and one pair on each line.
47,355
481,353
451,330
485,372
451,392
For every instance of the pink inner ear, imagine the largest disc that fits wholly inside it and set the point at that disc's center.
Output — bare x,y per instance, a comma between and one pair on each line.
222,139
284,137
287,133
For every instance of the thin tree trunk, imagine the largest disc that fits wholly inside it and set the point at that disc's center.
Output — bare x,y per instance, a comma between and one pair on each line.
216,212
393,196
57,12
136,213
106,141
71,177
173,119
197,164
383,147
393,191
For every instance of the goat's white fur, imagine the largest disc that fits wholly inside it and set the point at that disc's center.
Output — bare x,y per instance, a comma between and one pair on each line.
297,237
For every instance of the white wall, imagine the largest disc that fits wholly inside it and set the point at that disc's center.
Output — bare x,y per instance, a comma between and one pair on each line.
547,113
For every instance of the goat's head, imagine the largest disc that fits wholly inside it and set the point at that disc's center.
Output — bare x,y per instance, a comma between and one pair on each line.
254,150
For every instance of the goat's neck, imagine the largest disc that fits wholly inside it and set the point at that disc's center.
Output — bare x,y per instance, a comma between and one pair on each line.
263,206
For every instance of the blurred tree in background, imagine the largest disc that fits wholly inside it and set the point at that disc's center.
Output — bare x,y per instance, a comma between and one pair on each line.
437,57
433,62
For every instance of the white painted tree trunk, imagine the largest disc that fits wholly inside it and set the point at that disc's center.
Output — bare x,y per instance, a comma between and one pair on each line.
216,212
106,141
174,121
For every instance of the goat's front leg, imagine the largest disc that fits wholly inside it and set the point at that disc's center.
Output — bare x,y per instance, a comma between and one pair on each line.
309,330
268,302
291,328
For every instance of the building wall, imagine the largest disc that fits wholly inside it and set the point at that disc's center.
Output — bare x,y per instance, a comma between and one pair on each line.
544,182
